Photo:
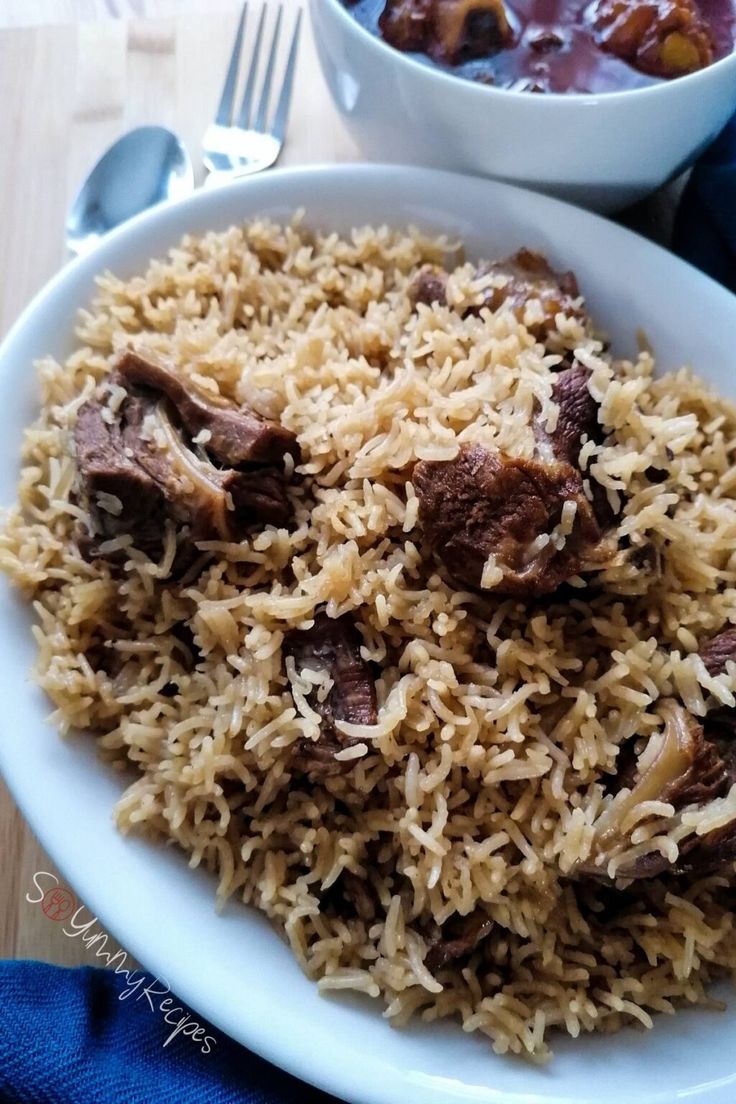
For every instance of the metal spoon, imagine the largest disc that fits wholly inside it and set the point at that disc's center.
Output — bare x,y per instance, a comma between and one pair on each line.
144,167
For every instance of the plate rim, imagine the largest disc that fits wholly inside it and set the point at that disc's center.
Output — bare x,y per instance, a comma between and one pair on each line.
303,1064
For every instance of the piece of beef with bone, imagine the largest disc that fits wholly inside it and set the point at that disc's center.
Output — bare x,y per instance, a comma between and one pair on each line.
140,467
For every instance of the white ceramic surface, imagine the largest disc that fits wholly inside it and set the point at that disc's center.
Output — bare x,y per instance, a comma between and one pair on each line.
601,151
233,968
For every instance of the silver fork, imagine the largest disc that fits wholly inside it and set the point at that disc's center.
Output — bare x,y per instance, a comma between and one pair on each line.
247,143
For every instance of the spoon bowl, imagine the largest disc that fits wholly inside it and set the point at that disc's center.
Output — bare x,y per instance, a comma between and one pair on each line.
145,167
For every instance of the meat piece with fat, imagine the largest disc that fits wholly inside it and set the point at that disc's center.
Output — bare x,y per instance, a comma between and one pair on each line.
217,503
138,467
689,767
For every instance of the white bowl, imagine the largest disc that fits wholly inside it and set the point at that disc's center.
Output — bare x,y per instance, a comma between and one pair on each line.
234,969
601,151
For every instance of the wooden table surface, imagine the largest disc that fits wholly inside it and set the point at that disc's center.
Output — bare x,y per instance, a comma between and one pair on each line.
75,74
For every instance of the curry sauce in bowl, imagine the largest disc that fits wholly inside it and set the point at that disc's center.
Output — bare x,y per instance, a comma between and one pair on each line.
557,45
631,92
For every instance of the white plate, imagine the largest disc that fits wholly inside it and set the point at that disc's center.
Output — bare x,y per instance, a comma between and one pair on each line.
233,968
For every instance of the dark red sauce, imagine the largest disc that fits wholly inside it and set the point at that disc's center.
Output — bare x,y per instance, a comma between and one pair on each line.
555,50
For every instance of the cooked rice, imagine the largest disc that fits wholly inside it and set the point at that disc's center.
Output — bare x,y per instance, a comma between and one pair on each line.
483,779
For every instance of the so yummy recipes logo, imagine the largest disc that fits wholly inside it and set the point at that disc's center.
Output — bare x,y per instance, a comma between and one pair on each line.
60,905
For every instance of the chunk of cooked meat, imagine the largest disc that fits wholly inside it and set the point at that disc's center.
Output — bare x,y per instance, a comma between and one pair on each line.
217,503
332,647
665,38
429,286
651,864
484,503
717,849
109,474
710,853
530,276
458,940
716,652
237,434
359,895
577,417
407,24
449,30
316,758
136,471
713,852
687,768
704,776
466,29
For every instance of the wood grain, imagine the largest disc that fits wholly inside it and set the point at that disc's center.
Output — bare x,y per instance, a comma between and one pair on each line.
28,13
68,88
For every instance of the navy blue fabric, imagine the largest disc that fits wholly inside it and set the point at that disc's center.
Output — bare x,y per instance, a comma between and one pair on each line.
66,1037
705,224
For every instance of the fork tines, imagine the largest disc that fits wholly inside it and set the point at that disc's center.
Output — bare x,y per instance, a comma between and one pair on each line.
247,118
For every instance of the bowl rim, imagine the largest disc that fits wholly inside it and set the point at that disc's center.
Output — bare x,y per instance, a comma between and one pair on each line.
475,88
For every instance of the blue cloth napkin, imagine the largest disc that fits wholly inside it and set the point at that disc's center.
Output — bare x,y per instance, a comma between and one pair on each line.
67,1037
705,223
